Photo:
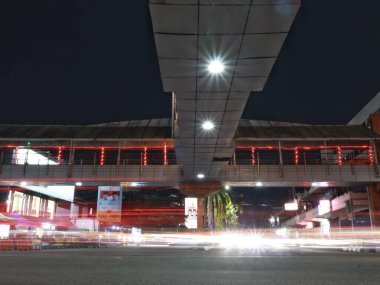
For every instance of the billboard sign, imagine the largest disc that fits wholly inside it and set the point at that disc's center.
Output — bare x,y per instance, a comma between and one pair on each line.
109,204
324,207
191,209
291,206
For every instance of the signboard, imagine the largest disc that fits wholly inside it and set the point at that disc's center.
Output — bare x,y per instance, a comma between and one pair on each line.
291,206
109,204
136,235
191,209
324,207
4,231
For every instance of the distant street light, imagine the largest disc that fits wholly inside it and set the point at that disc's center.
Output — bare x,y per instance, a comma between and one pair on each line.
200,176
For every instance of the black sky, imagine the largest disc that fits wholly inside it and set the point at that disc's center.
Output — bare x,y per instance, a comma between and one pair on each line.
80,62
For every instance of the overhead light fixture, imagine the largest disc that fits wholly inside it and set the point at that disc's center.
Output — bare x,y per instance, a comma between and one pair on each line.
293,206
78,183
23,183
215,66
320,184
227,187
208,125
259,184
200,176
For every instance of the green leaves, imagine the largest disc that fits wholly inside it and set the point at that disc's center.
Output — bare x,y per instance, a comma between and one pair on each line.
221,213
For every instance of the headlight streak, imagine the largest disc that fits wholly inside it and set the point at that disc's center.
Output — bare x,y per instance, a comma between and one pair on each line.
278,240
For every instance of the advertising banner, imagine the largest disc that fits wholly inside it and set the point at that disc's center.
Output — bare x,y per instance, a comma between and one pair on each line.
109,204
191,209
323,207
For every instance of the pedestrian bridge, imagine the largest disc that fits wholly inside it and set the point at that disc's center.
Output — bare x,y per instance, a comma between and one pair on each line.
170,175
142,153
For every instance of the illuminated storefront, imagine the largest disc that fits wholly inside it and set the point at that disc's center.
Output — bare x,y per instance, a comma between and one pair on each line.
30,205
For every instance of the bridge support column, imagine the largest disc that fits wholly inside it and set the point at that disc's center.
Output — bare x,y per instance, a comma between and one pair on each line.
374,189
200,214
200,191
374,203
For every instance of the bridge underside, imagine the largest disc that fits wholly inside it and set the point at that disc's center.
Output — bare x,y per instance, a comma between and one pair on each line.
247,37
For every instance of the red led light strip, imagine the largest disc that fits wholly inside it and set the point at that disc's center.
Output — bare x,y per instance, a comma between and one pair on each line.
165,155
102,154
145,156
253,156
339,150
370,155
59,156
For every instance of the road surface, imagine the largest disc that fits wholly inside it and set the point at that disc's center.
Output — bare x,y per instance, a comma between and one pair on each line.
187,266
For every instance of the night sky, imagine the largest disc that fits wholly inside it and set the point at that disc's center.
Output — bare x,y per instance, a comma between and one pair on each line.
82,62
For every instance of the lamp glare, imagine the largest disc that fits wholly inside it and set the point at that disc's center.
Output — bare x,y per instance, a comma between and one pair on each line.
215,67
208,125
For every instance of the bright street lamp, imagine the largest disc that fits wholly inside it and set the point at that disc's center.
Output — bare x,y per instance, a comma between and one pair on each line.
208,125
215,66
200,176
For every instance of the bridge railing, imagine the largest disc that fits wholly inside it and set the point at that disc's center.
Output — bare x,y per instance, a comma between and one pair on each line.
304,156
300,174
86,156
83,172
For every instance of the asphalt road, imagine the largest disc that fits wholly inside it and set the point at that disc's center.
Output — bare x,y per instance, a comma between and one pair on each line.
187,266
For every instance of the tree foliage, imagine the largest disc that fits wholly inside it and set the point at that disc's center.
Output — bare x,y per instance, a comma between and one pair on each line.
221,213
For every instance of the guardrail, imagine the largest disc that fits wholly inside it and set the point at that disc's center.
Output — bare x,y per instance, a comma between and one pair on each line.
73,172
298,174
281,174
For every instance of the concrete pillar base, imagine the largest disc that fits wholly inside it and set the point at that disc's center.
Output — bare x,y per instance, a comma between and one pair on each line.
374,202
200,190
